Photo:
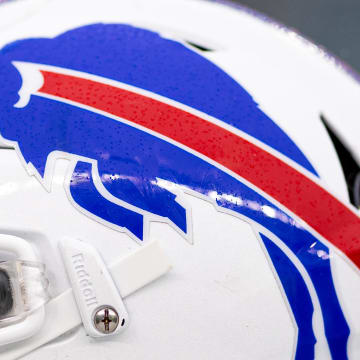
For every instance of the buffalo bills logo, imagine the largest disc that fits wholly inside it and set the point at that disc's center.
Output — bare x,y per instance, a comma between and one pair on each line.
143,119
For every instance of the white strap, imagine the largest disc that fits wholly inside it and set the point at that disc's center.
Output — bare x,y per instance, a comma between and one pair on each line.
62,315
140,268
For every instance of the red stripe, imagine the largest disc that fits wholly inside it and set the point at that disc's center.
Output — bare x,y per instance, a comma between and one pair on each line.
317,207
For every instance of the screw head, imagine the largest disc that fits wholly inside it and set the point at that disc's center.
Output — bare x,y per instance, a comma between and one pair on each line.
106,319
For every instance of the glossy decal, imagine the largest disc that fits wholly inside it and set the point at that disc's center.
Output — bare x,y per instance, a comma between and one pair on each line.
140,117
295,287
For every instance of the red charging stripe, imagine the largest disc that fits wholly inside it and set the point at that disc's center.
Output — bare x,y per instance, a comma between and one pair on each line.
317,207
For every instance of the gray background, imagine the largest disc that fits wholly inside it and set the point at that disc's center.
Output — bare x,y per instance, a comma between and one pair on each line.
334,24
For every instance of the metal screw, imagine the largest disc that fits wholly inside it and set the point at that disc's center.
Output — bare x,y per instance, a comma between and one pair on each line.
106,320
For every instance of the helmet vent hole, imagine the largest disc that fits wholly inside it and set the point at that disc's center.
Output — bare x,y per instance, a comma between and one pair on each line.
198,46
350,166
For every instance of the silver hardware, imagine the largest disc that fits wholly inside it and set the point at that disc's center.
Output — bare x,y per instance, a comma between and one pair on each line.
106,320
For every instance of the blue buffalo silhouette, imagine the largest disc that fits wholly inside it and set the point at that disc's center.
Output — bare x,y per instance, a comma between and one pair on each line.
118,170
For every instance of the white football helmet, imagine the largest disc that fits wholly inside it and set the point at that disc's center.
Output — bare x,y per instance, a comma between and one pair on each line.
179,180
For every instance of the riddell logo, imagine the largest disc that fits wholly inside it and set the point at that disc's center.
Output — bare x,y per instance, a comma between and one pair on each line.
84,280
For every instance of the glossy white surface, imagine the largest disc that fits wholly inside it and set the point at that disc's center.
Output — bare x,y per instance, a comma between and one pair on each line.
222,284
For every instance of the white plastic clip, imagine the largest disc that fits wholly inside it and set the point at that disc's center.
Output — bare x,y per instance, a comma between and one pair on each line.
94,289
